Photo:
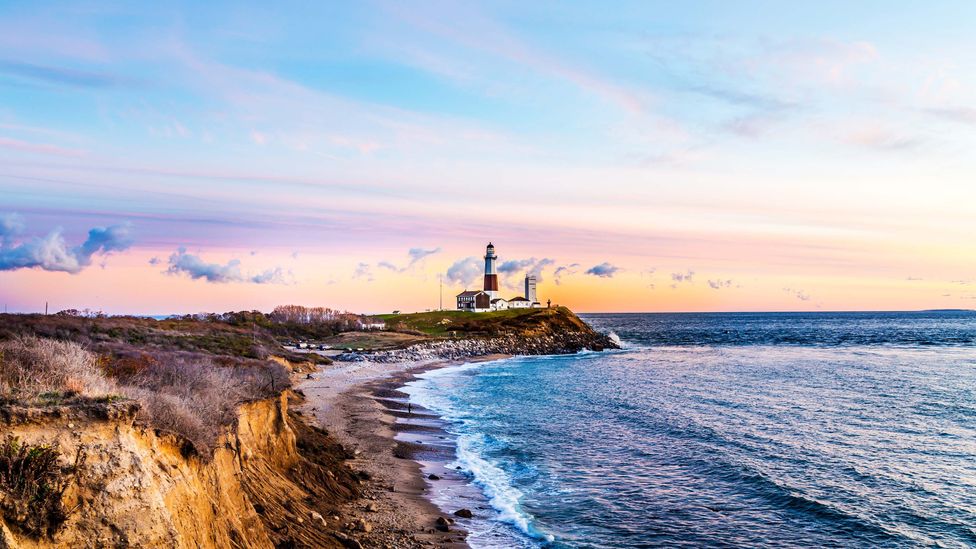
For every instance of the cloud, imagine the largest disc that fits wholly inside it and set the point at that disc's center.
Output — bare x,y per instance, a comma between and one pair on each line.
116,238
418,254
880,139
363,270
799,294
960,115
62,75
679,278
740,98
196,268
520,266
51,253
271,276
565,270
11,225
40,148
465,272
155,261
603,270
914,278
719,284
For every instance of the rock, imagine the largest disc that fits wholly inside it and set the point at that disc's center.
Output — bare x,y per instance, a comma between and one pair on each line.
371,508
363,526
319,518
463,513
443,525
433,477
346,541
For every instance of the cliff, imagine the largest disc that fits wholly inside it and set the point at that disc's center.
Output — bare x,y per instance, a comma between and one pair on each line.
134,486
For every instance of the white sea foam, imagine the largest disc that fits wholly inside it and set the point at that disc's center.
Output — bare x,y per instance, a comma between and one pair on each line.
496,484
492,480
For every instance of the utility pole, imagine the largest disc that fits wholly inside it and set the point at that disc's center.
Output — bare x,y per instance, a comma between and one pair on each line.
45,308
440,289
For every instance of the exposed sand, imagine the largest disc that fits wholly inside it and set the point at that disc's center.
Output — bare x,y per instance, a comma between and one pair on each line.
352,402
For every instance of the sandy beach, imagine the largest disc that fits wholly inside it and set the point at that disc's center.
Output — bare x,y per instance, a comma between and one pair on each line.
359,404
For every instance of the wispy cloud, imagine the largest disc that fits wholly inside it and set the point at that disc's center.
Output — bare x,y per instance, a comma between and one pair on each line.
62,75
959,115
474,29
41,148
363,271
196,268
418,254
798,294
564,270
718,284
880,139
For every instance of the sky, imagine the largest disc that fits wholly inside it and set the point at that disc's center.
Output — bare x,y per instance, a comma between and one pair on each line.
635,156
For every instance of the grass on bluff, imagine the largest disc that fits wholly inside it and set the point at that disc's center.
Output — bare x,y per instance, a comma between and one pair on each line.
464,323
189,394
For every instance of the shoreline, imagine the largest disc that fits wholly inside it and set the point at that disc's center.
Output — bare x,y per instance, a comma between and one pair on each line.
359,404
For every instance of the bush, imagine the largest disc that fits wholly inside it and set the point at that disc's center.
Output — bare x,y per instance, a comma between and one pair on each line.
32,482
194,397
182,392
31,367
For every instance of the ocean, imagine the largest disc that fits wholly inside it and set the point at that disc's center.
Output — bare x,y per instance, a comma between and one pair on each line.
720,430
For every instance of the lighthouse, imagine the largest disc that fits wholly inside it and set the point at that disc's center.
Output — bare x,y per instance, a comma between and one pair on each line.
491,278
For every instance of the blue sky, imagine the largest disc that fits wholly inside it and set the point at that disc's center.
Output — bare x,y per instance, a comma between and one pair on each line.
820,145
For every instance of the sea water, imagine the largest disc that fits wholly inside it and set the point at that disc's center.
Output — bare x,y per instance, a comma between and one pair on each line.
724,430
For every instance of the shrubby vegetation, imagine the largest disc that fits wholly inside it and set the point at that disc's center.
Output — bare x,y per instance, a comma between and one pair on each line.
188,373
190,394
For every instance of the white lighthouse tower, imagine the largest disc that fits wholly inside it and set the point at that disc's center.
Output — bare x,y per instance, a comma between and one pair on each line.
491,278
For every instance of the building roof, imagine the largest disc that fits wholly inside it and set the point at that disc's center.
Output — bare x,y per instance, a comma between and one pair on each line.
497,299
467,293
518,298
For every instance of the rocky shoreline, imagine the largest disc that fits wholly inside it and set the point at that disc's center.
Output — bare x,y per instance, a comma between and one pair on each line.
509,344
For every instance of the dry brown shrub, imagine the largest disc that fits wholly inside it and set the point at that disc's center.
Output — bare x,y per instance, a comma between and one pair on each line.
32,366
182,392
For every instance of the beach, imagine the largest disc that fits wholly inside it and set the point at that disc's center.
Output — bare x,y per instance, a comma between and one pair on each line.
359,403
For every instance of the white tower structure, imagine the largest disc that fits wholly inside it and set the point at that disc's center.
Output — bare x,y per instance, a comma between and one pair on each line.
530,283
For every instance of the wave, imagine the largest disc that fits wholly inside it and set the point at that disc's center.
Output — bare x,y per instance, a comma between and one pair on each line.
496,484
491,479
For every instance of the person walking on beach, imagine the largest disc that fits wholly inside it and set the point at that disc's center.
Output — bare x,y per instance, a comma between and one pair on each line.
409,409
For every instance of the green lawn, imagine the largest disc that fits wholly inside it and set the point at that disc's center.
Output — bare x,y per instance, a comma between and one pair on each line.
443,323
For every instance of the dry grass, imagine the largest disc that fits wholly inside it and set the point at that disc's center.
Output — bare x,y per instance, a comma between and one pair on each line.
196,398
32,368
180,392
